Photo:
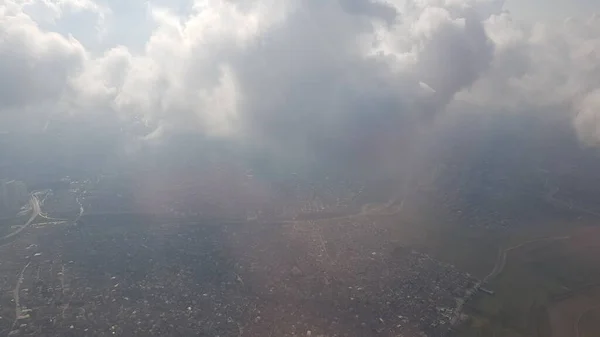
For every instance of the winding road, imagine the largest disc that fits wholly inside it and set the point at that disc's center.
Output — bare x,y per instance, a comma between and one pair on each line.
366,210
35,207
578,321
501,261
81,210
497,270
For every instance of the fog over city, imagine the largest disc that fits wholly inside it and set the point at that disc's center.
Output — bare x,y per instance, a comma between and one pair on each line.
299,168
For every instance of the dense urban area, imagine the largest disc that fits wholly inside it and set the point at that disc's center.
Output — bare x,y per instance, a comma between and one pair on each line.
309,260
233,254
472,240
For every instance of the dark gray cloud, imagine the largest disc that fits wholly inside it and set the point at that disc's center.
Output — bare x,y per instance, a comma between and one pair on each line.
380,10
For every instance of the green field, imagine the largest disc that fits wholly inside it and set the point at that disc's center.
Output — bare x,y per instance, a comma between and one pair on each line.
535,277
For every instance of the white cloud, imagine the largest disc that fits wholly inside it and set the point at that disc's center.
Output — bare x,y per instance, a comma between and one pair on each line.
49,11
34,65
549,68
302,71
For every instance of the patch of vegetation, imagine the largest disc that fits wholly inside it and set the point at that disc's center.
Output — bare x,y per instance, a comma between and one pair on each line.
534,277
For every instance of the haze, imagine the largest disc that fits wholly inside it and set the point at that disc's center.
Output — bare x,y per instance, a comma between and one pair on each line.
294,149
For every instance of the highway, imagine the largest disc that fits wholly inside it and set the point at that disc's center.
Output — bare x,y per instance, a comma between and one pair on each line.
81,210
36,211
501,261
578,321
366,210
497,270
551,198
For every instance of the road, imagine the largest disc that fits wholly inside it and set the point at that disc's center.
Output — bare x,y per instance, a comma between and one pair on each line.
366,210
81,210
16,297
35,207
498,268
501,261
550,197
578,321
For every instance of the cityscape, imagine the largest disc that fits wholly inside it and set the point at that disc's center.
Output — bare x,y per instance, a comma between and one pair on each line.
111,255
110,271
299,168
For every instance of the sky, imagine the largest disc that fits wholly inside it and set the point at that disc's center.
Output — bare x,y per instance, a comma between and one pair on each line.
301,76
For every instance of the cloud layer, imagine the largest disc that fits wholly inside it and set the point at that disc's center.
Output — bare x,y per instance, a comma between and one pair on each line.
299,74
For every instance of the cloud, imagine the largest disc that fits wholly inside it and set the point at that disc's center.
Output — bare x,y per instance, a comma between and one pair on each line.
34,65
342,76
551,69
